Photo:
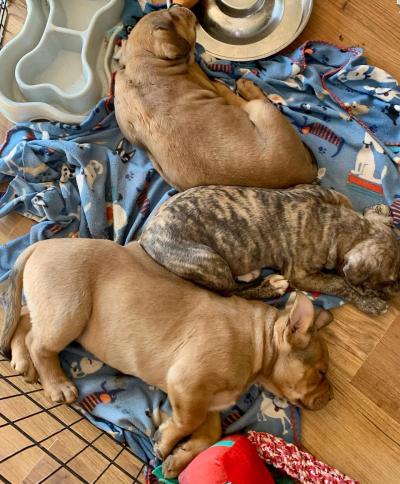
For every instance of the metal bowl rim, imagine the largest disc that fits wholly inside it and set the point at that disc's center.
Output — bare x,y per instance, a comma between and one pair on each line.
307,7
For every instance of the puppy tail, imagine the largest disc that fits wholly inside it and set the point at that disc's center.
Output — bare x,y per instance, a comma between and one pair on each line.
11,299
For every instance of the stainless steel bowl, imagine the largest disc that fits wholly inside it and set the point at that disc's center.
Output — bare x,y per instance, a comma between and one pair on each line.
249,29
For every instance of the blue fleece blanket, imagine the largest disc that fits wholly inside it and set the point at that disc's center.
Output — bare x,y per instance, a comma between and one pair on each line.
87,181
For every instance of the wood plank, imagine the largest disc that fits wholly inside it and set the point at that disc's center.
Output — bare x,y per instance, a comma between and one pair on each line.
129,462
40,426
64,445
21,465
89,464
45,466
379,376
357,332
354,435
63,476
12,441
351,23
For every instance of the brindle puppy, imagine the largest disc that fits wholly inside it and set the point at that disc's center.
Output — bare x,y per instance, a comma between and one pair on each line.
220,237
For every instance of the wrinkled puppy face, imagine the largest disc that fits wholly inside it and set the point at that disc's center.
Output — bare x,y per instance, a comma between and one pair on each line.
166,34
299,372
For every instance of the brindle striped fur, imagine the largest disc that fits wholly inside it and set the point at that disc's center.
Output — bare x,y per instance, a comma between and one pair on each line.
213,235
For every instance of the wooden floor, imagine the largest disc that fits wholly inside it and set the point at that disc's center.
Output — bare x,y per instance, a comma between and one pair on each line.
359,431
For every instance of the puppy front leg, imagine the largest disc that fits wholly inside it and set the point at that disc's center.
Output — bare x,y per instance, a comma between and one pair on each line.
336,285
50,333
189,411
189,398
21,360
250,91
274,285
206,435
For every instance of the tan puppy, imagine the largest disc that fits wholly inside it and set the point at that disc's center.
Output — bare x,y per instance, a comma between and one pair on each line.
204,350
198,132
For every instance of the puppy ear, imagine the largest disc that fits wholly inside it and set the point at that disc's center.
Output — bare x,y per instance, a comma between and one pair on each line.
169,44
163,23
300,319
322,319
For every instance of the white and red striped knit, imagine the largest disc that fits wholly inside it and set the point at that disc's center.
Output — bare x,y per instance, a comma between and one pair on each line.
294,462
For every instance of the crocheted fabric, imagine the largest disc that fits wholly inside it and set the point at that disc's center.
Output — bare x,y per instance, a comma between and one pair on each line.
296,463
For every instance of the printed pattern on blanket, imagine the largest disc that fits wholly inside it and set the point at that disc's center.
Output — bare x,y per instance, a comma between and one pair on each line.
87,181
347,113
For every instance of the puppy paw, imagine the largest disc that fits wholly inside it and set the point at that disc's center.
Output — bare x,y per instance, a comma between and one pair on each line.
176,462
61,392
158,453
22,364
158,450
373,305
162,446
170,470
248,90
276,283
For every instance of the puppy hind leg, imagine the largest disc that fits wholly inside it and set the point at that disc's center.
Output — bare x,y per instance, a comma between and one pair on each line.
274,285
268,119
195,262
215,274
278,134
57,387
44,341
21,360
206,435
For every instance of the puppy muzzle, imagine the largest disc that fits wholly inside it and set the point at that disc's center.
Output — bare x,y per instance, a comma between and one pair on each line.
319,400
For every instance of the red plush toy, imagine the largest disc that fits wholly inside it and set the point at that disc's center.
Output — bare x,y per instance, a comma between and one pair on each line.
232,460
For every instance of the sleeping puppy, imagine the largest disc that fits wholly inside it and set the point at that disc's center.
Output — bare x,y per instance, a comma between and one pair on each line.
197,132
220,237
204,350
